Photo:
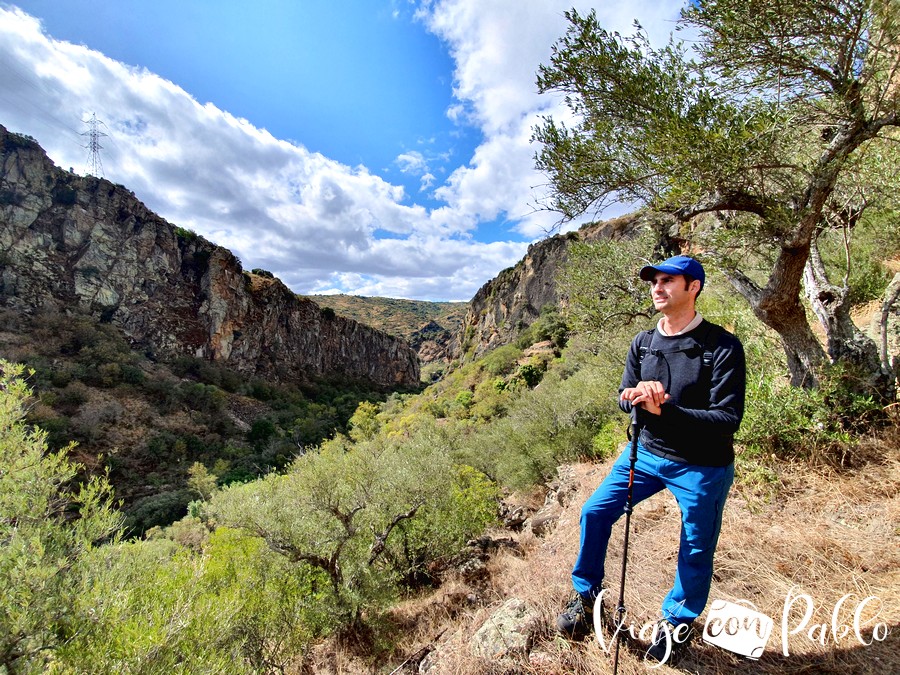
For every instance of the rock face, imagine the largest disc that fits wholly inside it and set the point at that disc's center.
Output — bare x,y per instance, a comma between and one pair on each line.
69,243
514,298
433,343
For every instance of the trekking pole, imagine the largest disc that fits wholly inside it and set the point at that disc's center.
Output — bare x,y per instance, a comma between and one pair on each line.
620,608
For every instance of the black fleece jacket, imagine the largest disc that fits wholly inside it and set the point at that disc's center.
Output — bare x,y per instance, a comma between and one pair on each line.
697,424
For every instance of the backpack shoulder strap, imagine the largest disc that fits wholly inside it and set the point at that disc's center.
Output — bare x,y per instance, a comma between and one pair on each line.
709,344
645,339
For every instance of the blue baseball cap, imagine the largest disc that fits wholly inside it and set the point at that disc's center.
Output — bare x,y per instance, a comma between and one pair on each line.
679,264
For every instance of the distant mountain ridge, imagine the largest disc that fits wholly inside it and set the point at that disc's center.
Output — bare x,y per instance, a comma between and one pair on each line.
431,328
84,244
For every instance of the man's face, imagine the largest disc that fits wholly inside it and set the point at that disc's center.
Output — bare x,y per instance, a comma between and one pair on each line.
670,294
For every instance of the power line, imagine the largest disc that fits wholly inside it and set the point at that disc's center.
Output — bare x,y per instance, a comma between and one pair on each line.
16,99
95,166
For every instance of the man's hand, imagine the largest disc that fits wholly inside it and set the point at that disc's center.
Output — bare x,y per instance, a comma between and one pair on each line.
649,395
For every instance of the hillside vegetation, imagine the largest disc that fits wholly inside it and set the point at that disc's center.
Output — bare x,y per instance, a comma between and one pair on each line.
146,423
367,552
403,318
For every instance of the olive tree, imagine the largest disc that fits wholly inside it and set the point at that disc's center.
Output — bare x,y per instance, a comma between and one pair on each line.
780,125
364,516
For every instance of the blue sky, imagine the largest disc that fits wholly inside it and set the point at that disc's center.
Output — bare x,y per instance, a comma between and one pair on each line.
378,147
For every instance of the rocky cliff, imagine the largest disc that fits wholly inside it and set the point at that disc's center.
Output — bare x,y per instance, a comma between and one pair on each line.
84,244
513,300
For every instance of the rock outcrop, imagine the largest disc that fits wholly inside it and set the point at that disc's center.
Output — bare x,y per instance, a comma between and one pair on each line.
512,301
70,243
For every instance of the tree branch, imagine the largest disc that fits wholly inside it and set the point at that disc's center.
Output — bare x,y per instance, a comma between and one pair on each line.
733,201
293,553
744,285
381,538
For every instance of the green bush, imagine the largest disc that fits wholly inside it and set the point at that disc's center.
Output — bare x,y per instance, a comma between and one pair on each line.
206,398
544,427
132,374
368,516
157,510
821,424
364,424
550,325
531,374
442,528
185,234
49,525
58,432
156,607
502,360
207,372
145,608
261,430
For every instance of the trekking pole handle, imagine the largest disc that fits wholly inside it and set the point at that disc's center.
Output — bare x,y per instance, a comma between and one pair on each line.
635,433
632,458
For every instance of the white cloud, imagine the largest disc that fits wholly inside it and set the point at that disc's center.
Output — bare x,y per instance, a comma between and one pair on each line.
498,46
314,222
412,162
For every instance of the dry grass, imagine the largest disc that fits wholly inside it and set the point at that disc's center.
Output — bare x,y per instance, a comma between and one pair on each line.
825,534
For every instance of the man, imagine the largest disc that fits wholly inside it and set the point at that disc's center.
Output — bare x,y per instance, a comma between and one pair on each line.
686,378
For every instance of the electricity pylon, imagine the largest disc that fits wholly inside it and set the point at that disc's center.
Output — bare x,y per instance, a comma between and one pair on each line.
95,166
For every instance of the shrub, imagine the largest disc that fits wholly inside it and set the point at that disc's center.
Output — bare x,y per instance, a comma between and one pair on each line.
821,424
502,360
185,234
364,423
145,609
545,427
49,525
365,516
531,374
550,325
157,510
72,397
468,506
261,430
206,398
132,374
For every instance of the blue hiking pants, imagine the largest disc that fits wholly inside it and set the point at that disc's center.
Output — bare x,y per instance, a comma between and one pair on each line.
700,492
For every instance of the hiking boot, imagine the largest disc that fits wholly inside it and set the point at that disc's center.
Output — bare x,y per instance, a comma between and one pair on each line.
669,642
577,619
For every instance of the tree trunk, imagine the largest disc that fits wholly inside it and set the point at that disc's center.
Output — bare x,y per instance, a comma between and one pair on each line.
805,356
778,306
846,344
891,296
